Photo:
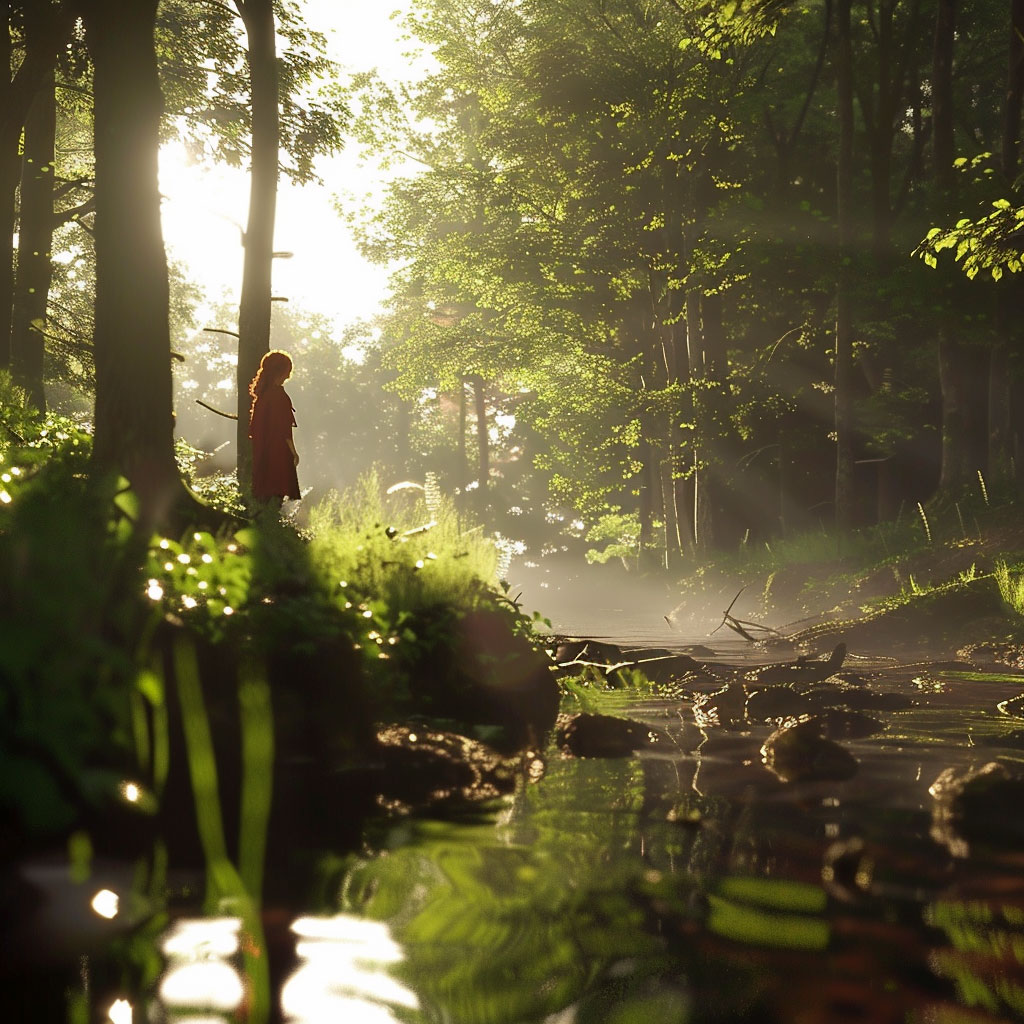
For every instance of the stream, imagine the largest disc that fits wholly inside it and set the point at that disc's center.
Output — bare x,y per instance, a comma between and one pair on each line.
686,883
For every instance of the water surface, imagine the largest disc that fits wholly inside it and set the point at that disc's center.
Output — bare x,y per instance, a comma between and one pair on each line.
685,883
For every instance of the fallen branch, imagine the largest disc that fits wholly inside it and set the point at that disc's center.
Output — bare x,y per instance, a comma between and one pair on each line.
742,626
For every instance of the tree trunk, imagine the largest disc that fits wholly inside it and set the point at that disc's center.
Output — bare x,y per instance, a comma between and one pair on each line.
134,421
482,440
8,188
35,237
1001,389
463,477
695,369
962,377
961,395
254,307
709,419
1014,93
47,27
650,493
844,491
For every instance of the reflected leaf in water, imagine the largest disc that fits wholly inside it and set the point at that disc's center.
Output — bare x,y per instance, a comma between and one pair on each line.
985,956
758,927
496,931
775,894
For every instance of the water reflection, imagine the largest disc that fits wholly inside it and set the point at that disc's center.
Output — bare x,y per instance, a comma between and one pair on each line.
688,884
342,974
200,975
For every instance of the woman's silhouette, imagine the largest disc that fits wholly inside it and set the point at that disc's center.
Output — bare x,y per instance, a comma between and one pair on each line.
271,418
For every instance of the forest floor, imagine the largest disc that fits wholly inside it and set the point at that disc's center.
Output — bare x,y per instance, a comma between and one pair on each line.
931,599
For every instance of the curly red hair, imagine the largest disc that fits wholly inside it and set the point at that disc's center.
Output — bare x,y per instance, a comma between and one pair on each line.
275,368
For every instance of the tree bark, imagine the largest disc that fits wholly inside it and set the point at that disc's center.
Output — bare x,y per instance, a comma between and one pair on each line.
483,472
254,307
49,26
650,493
8,188
695,369
134,421
1014,93
1001,389
844,425
964,403
463,420
709,416
35,237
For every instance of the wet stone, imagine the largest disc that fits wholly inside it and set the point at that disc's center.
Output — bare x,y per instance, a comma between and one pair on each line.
803,670
980,806
423,767
1014,707
870,700
994,656
776,702
725,707
591,735
699,651
800,753
568,650
842,724
666,670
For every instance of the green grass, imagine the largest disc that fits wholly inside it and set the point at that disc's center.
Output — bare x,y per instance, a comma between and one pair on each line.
1011,587
391,546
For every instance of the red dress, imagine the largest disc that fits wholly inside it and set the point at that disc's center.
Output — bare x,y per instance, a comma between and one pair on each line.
270,429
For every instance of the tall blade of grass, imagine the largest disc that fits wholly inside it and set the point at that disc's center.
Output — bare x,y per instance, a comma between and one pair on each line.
257,771
161,748
202,764
151,733
140,732
223,882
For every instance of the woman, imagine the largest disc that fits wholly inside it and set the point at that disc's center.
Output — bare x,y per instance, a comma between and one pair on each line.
271,418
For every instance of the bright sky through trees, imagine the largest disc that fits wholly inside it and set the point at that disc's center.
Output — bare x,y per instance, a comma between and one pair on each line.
205,207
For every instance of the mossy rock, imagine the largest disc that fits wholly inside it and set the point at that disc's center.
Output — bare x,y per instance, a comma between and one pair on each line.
801,753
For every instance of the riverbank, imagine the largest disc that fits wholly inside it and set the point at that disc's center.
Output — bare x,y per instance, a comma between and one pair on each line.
924,588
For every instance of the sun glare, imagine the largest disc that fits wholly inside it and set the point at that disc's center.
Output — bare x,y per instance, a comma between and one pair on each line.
205,207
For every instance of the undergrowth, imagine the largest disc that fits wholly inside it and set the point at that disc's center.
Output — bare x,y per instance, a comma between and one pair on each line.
1010,581
90,610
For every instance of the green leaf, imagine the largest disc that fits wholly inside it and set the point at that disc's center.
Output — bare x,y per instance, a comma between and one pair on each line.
758,928
128,502
775,893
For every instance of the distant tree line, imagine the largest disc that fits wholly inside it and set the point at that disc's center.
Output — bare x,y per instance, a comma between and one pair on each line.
681,236
685,269
94,87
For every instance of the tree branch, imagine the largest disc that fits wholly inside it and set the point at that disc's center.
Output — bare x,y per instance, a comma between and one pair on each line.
219,412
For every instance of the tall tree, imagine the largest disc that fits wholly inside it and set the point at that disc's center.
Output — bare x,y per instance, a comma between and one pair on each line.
254,308
134,421
960,370
40,28
1002,453
844,424
35,236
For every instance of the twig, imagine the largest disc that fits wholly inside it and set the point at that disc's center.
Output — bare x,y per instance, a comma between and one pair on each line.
725,614
737,625
226,415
